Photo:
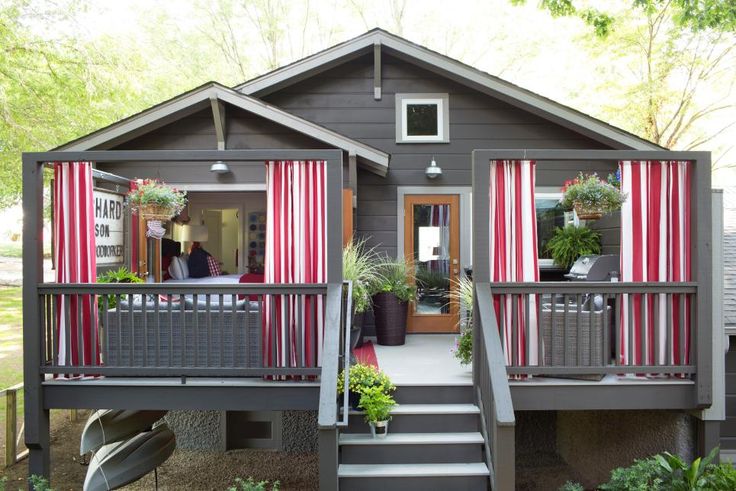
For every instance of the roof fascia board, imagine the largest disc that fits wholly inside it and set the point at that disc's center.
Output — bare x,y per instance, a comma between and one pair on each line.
455,70
255,106
142,123
312,65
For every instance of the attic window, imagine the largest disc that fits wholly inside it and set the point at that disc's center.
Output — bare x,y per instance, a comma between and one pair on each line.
422,118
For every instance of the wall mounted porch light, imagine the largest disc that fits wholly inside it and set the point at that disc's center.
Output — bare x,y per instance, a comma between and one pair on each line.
433,170
220,167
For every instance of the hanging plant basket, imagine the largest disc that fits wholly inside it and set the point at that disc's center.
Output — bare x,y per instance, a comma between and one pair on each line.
156,212
587,213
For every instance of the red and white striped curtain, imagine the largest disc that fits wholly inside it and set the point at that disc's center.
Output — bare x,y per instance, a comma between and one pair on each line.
513,252
295,253
75,260
655,246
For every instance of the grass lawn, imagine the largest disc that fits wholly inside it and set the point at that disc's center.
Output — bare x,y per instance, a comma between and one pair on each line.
11,346
11,249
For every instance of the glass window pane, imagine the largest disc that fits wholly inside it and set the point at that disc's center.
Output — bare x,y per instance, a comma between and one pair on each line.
421,120
549,217
432,258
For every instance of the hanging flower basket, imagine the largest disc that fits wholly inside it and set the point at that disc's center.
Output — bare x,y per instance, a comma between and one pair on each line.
154,200
592,197
587,213
156,212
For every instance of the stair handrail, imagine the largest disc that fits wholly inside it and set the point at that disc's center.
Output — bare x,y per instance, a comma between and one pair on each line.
493,392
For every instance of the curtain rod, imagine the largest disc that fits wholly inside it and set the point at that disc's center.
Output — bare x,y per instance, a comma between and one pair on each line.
101,174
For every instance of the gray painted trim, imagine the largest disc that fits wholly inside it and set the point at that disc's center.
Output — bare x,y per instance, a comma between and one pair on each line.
377,71
218,115
717,410
448,67
376,160
596,396
443,116
466,231
214,187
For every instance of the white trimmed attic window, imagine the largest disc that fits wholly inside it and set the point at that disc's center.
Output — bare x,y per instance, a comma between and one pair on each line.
422,118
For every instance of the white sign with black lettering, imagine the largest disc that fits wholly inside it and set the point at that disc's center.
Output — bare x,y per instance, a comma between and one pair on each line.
109,223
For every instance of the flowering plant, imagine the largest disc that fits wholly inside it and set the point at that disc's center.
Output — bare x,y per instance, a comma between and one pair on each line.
589,192
154,193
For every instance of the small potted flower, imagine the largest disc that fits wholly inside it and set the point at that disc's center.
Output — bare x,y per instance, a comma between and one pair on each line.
154,200
377,405
591,197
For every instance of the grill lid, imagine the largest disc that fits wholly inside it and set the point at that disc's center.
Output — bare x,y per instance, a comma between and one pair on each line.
594,268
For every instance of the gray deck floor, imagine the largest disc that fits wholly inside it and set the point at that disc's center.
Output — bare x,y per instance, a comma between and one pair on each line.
425,359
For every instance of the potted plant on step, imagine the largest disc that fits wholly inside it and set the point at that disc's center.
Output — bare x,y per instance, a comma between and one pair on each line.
592,197
569,243
377,405
392,291
363,377
359,265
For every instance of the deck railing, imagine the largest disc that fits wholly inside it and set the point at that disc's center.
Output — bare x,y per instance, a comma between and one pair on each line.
585,328
182,330
493,393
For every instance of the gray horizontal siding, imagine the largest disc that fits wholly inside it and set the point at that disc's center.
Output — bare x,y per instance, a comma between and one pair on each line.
342,99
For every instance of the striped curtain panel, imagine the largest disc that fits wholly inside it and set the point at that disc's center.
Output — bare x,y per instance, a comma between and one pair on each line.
514,254
295,253
76,262
655,246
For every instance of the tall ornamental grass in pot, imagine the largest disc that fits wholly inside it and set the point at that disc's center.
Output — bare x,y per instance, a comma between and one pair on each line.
359,265
463,295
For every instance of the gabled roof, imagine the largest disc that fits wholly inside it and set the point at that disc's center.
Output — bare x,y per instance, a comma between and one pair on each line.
198,99
449,68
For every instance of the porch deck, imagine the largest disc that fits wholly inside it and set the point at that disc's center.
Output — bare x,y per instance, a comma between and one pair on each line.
426,360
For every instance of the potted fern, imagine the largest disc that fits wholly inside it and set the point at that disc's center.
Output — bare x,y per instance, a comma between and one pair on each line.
392,291
592,197
377,405
569,243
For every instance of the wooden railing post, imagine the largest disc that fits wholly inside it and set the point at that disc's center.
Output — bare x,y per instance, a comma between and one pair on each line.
11,426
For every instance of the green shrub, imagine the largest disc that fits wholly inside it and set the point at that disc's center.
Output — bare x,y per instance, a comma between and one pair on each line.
39,483
121,275
364,376
571,486
463,349
251,485
667,472
569,243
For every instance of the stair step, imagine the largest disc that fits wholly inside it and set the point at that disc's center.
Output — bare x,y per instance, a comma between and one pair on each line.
429,409
411,470
412,439
434,394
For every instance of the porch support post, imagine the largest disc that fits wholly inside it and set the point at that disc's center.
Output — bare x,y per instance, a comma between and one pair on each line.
481,172
377,71
328,480
701,253
36,416
333,217
709,437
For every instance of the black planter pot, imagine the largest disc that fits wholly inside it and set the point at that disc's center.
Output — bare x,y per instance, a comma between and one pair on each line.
356,330
390,314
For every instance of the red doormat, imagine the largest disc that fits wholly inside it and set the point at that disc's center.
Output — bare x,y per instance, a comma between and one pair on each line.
366,354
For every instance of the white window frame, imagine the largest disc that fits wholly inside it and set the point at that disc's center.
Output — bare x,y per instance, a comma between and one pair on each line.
442,101
551,193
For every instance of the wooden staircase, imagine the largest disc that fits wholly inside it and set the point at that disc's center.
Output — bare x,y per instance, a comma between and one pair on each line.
434,443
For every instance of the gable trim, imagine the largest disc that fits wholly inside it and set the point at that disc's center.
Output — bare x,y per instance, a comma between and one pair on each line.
451,69
198,99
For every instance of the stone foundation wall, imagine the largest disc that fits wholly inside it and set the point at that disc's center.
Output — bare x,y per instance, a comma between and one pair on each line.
197,430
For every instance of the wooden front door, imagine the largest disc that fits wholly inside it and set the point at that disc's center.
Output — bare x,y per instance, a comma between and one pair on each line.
432,242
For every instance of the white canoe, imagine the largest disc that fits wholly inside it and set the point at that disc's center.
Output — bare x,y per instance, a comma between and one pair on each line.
108,426
118,464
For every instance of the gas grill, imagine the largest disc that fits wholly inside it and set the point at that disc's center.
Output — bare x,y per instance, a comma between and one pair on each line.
595,268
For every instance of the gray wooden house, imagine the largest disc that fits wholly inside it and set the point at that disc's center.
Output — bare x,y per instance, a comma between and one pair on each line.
387,116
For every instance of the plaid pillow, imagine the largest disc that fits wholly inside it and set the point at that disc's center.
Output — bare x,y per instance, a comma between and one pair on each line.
214,266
